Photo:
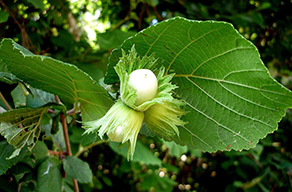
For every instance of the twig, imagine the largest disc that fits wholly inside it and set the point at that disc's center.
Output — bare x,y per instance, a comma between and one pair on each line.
128,16
67,142
10,13
51,111
141,16
256,161
120,23
19,187
9,108
5,102
66,136
26,41
159,17
89,147
71,111
57,153
86,51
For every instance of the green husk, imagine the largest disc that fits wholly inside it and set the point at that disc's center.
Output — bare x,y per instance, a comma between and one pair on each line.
131,62
164,119
123,121
119,115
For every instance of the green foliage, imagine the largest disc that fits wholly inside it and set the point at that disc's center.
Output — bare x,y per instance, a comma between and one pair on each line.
40,150
65,80
113,39
175,149
5,161
3,16
49,176
78,169
37,4
18,96
220,85
21,127
142,154
158,183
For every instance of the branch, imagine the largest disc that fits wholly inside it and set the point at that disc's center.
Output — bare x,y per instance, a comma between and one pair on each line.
9,108
67,142
71,111
128,16
57,153
25,40
82,150
5,101
141,16
157,14
120,23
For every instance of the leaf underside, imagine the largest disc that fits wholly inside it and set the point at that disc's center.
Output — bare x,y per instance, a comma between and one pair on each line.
5,152
65,80
21,127
231,99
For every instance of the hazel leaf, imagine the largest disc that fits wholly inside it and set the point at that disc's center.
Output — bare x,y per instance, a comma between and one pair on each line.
27,133
63,79
231,99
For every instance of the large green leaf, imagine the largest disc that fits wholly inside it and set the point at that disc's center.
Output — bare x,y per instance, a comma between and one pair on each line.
21,127
67,81
49,176
78,169
231,99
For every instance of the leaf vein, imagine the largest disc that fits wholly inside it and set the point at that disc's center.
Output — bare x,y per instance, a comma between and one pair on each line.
220,55
189,44
228,108
219,124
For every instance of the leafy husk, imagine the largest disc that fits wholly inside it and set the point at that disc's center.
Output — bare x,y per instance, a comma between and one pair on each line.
164,119
131,62
119,115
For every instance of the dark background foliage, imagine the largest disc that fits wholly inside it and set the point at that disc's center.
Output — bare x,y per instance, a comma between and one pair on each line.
57,28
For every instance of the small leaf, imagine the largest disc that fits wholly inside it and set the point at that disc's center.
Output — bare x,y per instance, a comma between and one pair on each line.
18,96
87,139
20,136
39,98
65,80
5,152
3,16
39,4
78,169
6,76
160,184
40,150
49,176
175,149
142,153
112,39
